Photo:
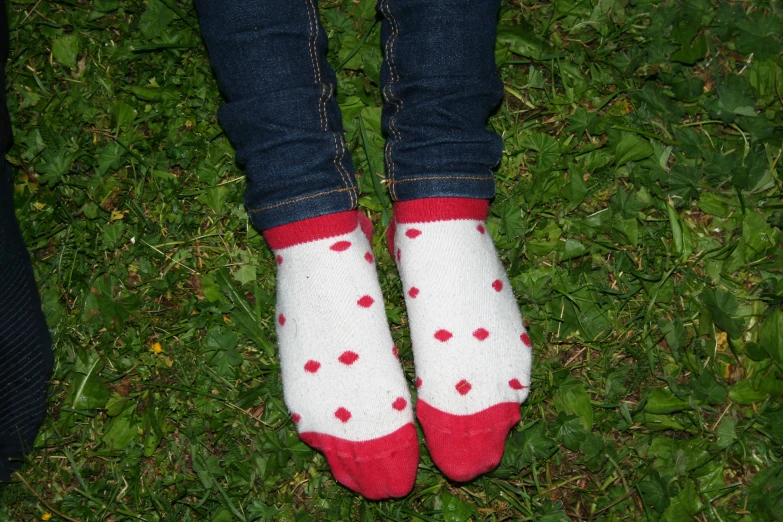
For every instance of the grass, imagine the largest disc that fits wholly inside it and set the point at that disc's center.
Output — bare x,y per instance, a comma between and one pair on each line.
639,212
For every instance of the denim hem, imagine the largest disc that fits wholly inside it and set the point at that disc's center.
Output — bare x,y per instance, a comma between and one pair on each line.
454,186
304,207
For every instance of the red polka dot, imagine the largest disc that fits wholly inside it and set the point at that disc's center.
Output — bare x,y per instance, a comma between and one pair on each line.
368,257
342,414
341,246
366,301
296,417
399,254
463,387
481,228
413,292
516,385
413,233
443,335
481,334
418,382
312,366
281,319
497,284
279,259
525,338
399,404
348,358
395,352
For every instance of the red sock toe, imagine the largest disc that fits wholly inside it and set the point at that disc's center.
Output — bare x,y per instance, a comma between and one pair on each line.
379,468
465,446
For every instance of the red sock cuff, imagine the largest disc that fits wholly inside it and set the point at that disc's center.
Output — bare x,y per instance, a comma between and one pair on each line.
312,229
440,209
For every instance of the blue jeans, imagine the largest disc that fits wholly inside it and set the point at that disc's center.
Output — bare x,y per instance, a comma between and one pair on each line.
439,83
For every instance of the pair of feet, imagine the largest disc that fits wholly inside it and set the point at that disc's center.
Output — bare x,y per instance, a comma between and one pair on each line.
342,380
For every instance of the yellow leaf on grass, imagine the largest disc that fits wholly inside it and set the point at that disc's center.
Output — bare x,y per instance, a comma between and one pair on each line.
722,339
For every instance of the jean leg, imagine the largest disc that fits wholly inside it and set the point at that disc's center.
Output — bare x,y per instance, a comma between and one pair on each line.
440,84
281,115
25,344
26,357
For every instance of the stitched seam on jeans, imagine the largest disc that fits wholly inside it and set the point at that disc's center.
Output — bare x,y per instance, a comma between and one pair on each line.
339,154
471,178
354,195
347,178
322,99
297,200
311,42
312,18
326,93
398,103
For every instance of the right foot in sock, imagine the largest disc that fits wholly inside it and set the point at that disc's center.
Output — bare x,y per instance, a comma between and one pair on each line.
342,381
471,350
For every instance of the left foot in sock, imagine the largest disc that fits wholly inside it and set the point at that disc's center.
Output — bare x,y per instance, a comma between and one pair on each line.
342,381
471,351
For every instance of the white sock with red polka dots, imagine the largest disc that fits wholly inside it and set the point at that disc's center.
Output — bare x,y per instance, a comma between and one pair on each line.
341,379
471,351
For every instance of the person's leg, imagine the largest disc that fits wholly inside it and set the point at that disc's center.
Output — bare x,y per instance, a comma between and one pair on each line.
281,114
25,345
342,383
471,350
